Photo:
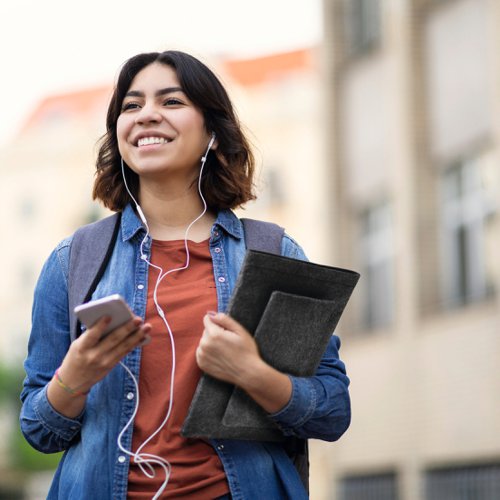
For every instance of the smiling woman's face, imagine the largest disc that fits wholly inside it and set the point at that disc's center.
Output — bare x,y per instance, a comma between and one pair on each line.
159,130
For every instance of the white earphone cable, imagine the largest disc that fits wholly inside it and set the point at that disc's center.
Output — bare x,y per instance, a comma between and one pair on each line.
145,461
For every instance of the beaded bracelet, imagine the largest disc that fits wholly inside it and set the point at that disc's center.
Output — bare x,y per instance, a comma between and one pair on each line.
69,390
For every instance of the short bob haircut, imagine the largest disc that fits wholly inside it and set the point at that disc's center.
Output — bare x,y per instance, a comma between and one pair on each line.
227,180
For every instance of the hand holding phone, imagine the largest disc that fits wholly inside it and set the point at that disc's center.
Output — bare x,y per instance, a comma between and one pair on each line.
113,306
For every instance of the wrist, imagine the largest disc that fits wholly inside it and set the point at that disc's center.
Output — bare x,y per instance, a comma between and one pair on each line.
71,391
268,387
255,376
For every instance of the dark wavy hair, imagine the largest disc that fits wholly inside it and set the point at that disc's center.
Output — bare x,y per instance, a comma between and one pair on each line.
227,180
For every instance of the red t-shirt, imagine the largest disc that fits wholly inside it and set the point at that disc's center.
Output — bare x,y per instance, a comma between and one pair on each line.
185,297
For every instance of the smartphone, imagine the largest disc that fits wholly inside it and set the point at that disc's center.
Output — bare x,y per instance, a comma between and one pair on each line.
113,306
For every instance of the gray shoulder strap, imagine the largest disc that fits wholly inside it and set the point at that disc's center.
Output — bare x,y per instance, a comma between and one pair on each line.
90,251
263,236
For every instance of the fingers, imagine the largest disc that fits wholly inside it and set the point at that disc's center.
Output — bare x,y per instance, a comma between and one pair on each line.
224,336
90,349
93,335
226,350
118,335
225,322
139,336
91,357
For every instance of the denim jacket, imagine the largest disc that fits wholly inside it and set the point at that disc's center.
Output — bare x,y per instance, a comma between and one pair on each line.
92,465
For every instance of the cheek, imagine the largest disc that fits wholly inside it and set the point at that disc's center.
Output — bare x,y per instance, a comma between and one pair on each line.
194,123
122,131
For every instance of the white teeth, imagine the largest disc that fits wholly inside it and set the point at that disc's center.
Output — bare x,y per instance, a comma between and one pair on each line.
145,141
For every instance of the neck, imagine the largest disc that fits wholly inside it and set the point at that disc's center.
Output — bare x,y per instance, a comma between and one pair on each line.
170,209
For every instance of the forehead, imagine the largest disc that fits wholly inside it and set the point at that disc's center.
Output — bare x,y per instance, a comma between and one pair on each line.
154,76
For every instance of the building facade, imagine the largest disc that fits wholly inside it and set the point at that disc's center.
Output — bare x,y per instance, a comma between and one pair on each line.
413,150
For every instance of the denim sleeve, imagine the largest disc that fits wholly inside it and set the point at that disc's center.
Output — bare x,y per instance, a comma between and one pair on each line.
290,248
320,405
43,427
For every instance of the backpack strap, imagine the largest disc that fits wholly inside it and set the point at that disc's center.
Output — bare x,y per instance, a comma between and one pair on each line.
263,236
91,249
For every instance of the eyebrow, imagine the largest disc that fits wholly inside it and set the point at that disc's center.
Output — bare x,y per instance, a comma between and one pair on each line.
158,93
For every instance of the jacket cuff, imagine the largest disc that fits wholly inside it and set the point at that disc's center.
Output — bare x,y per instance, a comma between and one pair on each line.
60,425
300,408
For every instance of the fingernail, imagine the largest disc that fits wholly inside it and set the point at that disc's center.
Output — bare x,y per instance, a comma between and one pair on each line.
211,313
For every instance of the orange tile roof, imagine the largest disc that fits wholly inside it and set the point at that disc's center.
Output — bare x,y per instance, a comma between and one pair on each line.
259,70
246,72
71,104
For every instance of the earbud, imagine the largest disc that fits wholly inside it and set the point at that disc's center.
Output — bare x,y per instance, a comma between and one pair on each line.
210,144
212,140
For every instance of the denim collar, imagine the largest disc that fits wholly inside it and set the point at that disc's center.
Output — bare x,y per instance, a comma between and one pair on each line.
130,223
226,220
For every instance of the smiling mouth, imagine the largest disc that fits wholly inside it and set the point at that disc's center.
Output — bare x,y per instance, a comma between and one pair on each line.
147,141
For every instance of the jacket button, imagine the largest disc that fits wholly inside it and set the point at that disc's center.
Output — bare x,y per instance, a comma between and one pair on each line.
221,279
217,250
220,447
121,459
130,396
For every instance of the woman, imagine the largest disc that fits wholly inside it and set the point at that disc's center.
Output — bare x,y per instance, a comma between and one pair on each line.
174,161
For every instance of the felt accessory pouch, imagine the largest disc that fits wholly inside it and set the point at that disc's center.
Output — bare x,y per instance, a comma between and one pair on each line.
291,307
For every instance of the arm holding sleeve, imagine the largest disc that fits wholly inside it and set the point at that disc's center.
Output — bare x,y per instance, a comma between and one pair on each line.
320,405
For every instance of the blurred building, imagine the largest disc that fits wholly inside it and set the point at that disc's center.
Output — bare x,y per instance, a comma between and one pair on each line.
47,173
279,98
413,157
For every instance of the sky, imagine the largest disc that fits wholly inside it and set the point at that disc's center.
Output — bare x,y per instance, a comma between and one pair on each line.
53,46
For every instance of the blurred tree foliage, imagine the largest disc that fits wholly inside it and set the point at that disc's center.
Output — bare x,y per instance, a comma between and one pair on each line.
22,457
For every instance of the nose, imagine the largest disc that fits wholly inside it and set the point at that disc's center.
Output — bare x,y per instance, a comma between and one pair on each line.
148,114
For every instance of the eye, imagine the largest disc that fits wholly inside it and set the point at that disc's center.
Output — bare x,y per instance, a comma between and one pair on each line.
129,105
172,101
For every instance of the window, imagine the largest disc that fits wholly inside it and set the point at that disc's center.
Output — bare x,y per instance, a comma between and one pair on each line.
377,263
362,25
480,482
375,487
466,207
